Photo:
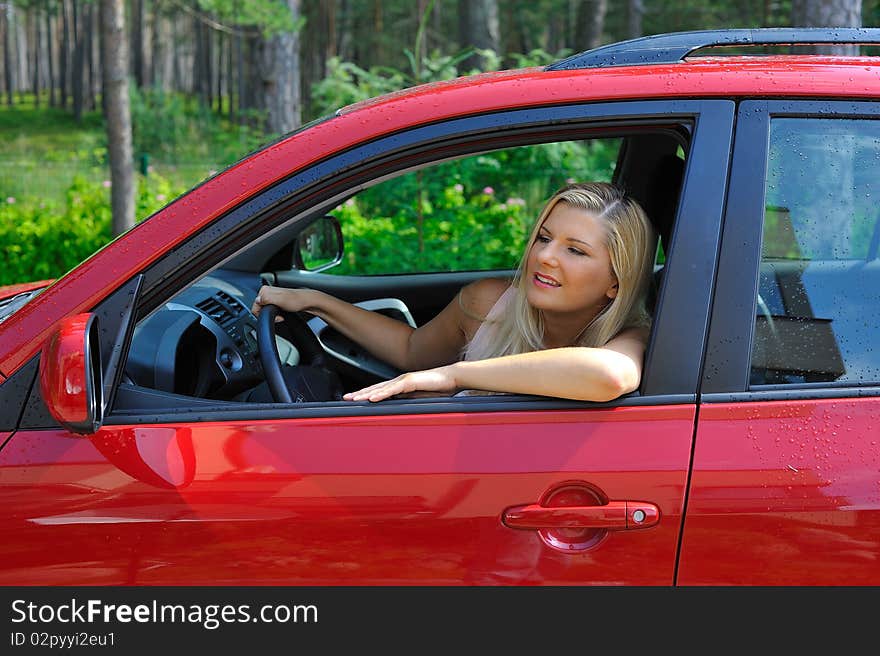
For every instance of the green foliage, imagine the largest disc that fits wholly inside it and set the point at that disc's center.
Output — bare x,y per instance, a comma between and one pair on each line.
270,16
469,214
44,239
536,57
449,232
172,127
347,83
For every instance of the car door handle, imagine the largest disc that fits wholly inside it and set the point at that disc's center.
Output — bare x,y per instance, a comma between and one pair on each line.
615,515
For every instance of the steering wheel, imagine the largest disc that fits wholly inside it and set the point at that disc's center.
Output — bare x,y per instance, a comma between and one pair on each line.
310,349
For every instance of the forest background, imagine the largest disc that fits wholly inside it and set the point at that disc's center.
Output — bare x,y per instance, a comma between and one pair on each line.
110,109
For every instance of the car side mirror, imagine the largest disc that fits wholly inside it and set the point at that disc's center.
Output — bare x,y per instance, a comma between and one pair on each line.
319,245
71,379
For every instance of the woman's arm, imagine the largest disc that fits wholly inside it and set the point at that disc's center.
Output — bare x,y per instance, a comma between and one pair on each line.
587,374
436,343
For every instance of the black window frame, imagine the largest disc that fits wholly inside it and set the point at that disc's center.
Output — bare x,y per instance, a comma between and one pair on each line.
732,329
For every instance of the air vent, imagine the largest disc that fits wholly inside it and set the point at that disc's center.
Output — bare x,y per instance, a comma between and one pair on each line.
236,307
222,308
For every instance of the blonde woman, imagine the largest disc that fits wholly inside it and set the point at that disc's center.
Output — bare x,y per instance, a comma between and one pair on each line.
572,323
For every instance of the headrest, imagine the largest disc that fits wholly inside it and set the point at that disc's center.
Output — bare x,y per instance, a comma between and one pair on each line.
663,192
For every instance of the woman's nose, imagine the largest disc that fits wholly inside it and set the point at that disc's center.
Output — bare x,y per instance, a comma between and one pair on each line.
548,255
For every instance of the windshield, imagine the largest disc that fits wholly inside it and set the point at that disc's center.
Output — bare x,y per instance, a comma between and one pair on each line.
8,306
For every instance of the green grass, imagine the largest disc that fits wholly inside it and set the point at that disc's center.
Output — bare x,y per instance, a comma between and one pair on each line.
44,148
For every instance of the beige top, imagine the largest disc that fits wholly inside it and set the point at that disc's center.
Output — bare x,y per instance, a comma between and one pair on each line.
487,329
484,333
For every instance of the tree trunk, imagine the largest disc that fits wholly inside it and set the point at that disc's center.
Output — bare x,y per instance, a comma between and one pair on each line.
230,75
79,52
343,31
50,44
218,72
9,71
590,23
827,13
63,74
207,66
197,58
35,21
478,28
115,50
21,54
137,42
378,29
317,47
635,10
556,32
239,68
176,65
157,48
253,98
280,67
422,43
92,19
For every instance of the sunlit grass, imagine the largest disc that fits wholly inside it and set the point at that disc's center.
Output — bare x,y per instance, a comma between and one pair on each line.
44,148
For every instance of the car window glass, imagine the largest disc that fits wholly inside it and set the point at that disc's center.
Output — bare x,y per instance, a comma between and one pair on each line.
469,214
818,306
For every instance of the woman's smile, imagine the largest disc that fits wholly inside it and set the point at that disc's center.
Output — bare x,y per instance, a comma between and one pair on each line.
545,281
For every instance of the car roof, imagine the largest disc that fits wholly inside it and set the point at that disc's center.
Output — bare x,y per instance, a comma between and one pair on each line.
727,75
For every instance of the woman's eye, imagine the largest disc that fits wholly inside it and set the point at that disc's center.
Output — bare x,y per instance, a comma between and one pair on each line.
543,239
576,251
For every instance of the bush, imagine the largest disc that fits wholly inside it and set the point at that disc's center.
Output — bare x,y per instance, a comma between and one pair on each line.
468,214
40,240
450,232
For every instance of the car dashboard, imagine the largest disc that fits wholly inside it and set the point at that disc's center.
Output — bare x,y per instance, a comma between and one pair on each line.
203,343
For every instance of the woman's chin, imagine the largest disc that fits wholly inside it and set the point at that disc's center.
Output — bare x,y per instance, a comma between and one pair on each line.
541,299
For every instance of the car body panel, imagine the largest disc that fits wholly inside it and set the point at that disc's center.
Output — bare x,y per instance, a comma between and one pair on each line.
356,500
8,291
784,493
85,286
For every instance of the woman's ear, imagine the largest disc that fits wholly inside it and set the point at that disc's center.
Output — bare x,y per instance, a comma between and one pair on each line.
611,292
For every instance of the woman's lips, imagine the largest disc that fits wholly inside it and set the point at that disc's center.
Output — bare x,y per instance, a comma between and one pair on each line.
545,281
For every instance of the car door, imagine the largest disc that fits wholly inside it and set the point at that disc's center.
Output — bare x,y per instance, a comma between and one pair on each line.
472,490
786,476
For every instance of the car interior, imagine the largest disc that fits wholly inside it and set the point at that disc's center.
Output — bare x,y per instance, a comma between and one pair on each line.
203,346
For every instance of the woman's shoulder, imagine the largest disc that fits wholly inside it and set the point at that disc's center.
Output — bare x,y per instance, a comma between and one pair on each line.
479,297
631,333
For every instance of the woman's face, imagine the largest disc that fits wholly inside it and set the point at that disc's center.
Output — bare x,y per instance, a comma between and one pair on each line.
569,269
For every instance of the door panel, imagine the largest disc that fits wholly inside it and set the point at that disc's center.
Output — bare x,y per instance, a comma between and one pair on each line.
784,493
785,487
424,294
358,500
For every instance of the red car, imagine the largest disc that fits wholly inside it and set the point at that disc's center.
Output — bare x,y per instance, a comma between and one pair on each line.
133,451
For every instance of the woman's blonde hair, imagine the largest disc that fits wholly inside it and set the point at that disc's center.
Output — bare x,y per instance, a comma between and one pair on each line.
631,243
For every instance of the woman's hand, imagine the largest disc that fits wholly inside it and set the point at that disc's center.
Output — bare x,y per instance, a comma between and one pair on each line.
440,379
289,300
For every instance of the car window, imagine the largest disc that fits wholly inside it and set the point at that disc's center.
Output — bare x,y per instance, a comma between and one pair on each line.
469,214
818,306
